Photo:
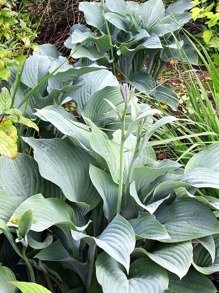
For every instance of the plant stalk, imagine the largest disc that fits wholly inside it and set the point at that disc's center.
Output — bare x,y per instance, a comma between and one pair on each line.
29,266
121,160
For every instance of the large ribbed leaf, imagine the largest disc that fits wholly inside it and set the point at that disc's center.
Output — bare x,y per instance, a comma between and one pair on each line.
35,69
26,287
202,170
107,149
65,123
146,226
193,282
145,276
6,276
118,6
176,258
107,189
92,82
184,220
21,177
203,259
46,212
179,6
8,205
117,240
99,110
93,14
67,166
151,12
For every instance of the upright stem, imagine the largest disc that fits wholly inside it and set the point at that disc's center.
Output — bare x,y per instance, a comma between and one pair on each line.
121,160
29,266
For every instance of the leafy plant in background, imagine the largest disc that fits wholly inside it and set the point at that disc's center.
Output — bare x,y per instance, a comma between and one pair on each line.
209,12
16,36
135,40
93,209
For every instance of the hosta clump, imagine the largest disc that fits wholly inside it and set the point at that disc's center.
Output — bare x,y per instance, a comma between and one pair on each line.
135,40
94,210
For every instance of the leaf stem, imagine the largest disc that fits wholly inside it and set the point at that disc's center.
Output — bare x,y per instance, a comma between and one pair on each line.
29,266
121,160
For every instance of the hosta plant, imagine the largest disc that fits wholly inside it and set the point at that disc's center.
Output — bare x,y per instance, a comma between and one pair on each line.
134,40
94,210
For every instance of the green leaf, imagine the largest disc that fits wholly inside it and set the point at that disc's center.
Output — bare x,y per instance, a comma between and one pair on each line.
8,205
5,99
151,12
183,220
202,260
166,95
6,276
107,189
118,6
117,240
146,226
179,6
25,223
20,178
67,166
99,110
36,68
107,149
8,139
143,82
176,258
64,122
26,287
193,282
209,244
29,123
93,14
202,169
145,276
46,212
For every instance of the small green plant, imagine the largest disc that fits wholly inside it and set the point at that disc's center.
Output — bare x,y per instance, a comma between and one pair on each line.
209,12
16,36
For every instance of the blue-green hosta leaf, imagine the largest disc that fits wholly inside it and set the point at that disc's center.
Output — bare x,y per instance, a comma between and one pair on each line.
26,287
193,282
21,178
99,110
118,6
166,95
183,220
179,6
202,169
93,82
65,123
6,276
152,207
93,14
46,212
145,276
176,258
143,82
48,50
107,189
146,226
117,240
107,149
151,12
67,166
80,51
209,244
119,21
202,259
36,67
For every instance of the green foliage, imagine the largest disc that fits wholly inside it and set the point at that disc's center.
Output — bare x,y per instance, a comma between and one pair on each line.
134,40
94,209
209,12
16,36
